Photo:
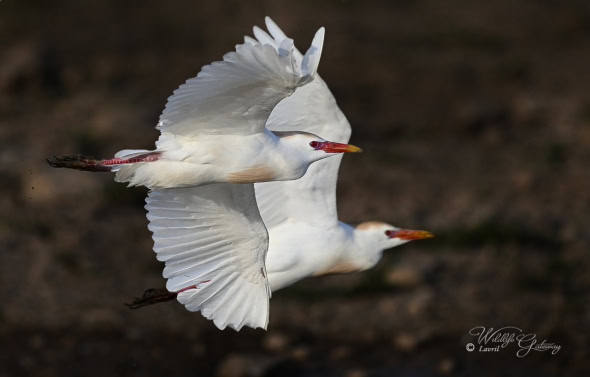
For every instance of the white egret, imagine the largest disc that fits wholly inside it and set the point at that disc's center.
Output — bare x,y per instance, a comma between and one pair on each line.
306,237
213,145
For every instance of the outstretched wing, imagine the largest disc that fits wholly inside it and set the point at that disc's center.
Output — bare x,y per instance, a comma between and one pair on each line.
213,240
236,95
311,108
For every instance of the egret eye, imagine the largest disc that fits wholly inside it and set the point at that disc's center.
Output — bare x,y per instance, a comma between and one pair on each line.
315,144
390,233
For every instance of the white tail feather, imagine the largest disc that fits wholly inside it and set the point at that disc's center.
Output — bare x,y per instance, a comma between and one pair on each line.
130,153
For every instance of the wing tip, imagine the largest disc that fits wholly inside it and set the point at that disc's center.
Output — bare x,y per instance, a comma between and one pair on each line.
263,37
318,39
250,40
274,29
255,302
311,59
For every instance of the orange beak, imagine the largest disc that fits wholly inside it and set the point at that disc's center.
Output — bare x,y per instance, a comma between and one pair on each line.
409,234
329,147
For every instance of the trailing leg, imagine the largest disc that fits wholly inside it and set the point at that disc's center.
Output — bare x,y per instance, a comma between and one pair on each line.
85,163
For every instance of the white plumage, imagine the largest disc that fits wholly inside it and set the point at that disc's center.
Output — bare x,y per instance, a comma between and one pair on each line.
212,148
246,85
213,237
213,126
306,237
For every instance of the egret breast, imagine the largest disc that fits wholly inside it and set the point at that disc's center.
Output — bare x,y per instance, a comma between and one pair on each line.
256,173
338,268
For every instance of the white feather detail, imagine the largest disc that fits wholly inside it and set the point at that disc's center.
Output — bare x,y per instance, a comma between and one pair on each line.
130,153
236,95
311,108
213,237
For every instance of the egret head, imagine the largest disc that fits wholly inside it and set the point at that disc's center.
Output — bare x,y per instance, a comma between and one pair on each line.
313,147
374,236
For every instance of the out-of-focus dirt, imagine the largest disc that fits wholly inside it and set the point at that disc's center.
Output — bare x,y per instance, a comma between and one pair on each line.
475,119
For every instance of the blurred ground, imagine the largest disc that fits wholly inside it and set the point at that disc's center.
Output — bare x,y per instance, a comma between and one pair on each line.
475,119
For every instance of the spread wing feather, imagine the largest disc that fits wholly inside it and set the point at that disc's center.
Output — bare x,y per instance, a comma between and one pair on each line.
311,108
213,237
236,95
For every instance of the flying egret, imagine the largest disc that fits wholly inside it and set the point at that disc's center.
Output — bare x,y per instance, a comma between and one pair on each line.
213,126
207,227
306,237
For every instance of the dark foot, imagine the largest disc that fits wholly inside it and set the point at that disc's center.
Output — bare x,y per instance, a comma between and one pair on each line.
77,162
152,296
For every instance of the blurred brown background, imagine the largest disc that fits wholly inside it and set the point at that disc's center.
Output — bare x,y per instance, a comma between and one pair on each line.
475,119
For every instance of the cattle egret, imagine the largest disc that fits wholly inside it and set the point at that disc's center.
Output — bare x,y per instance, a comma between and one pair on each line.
206,227
213,126
306,238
